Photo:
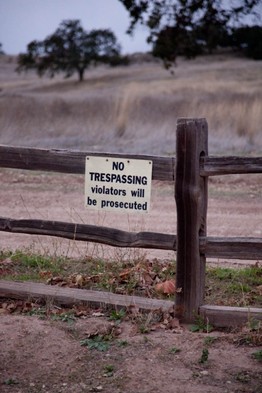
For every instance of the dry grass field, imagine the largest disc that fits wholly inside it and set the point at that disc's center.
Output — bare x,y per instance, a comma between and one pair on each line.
134,109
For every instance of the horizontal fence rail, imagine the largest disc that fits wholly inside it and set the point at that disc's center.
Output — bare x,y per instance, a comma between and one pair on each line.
68,161
91,233
64,161
69,297
212,247
212,166
231,247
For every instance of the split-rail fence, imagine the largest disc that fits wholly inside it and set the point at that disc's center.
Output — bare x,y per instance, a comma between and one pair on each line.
189,170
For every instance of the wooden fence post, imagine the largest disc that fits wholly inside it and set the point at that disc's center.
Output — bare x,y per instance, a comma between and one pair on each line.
191,202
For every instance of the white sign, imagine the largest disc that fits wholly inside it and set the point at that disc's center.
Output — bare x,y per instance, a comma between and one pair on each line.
119,185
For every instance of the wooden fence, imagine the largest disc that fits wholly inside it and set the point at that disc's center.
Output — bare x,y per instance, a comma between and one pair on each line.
189,170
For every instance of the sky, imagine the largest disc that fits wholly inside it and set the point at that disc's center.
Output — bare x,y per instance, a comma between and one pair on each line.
22,21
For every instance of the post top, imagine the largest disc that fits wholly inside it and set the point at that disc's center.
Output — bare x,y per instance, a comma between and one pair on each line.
184,120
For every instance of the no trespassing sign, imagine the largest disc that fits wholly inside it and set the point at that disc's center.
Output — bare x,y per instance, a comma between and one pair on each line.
119,185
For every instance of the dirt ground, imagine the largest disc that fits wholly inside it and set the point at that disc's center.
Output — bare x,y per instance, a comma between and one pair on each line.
46,355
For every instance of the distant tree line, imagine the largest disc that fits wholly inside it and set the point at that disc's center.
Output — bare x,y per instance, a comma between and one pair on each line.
193,27
248,39
172,42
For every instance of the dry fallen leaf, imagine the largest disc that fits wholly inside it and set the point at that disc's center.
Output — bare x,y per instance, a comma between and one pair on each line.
3,311
55,280
11,307
79,280
133,310
167,287
98,314
45,274
259,289
173,323
125,274
147,279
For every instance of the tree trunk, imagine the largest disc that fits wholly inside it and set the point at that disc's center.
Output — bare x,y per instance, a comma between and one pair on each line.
81,74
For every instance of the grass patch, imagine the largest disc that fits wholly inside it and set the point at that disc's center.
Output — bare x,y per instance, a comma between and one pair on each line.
27,266
224,286
234,287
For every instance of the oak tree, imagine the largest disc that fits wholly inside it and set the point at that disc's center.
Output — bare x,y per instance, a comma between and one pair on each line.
70,49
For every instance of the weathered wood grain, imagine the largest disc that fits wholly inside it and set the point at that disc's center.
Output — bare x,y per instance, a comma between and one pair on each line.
211,166
65,161
222,316
191,202
72,296
90,233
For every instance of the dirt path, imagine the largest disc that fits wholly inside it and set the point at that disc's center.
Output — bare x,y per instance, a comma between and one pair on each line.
234,210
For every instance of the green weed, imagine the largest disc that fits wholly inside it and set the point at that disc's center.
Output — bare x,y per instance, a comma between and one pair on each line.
201,325
117,315
38,312
64,317
204,357
122,343
109,370
98,342
11,381
174,350
257,355
144,328
209,340
243,376
254,325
